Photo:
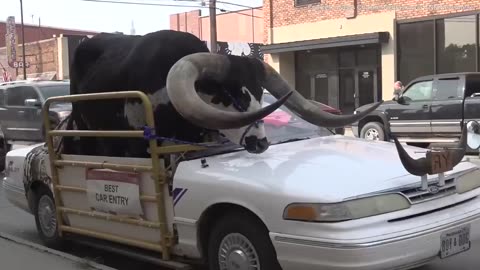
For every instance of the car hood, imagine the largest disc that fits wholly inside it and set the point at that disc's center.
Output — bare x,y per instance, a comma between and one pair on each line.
326,169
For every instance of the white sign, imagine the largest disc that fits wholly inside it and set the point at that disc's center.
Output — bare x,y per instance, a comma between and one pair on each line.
114,192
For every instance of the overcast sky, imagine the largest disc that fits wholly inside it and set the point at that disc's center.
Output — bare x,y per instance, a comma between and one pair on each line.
108,17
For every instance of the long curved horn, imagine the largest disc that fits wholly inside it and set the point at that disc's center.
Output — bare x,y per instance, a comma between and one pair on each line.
423,166
308,111
181,91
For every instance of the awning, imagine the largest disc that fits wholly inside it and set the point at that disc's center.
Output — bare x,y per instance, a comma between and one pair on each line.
351,40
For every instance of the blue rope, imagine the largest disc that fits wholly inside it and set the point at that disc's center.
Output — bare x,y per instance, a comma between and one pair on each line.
149,134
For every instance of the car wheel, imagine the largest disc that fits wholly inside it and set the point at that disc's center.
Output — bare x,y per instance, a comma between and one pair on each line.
373,131
46,218
238,241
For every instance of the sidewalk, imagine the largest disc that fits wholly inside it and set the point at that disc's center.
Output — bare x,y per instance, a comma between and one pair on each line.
18,254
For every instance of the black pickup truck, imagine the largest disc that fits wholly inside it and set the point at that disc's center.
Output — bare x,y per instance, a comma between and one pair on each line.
431,109
21,111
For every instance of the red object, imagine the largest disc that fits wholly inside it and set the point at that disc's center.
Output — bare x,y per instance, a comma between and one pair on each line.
5,76
278,118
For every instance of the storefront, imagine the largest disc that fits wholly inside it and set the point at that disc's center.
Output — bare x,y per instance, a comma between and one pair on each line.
344,72
349,55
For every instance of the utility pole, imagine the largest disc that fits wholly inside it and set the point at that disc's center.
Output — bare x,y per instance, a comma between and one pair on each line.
23,42
213,26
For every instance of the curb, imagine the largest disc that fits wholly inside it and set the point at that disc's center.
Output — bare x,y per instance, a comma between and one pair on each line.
78,260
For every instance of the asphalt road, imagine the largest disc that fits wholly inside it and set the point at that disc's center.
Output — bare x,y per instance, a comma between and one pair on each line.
21,224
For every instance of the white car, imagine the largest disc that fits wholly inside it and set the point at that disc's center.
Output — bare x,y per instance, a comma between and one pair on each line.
313,200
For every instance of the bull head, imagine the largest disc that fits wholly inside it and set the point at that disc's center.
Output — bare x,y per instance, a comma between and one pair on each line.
181,90
424,165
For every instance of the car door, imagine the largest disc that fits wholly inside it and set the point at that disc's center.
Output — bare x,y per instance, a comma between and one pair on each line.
447,105
21,118
411,116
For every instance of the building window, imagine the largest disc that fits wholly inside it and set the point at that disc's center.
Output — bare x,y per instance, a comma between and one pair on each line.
445,45
415,52
305,2
456,44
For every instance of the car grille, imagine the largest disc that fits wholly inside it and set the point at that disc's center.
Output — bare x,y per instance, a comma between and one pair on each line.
417,195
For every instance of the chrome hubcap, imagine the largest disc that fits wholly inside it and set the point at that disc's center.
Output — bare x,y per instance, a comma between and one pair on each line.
47,216
236,252
372,134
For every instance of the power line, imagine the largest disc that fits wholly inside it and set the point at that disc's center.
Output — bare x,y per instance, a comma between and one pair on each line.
141,4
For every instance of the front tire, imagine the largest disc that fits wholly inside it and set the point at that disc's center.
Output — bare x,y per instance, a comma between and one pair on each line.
240,242
373,131
46,218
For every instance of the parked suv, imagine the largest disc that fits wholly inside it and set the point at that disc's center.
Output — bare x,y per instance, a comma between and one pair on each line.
21,111
431,109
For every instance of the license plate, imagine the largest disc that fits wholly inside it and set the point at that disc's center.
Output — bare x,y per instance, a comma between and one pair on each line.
455,241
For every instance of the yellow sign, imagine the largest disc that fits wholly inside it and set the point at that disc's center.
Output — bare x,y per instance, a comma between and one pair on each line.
441,161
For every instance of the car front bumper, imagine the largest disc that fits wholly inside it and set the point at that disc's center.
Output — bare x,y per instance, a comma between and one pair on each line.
402,252
15,195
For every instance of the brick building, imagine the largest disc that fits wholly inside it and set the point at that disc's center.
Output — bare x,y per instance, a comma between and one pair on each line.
48,50
248,25
245,38
347,53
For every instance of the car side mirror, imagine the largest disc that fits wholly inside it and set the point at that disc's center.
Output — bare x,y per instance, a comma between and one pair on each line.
401,100
473,134
31,102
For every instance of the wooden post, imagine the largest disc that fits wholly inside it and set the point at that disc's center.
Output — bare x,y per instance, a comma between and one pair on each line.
213,26
23,42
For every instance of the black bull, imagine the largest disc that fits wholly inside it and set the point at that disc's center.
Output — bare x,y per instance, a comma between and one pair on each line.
115,62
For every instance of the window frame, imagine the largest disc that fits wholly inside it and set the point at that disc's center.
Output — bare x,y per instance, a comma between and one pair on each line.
417,82
434,19
458,92
7,90
309,2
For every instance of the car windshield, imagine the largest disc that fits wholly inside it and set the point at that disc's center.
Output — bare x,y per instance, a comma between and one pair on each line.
54,90
284,126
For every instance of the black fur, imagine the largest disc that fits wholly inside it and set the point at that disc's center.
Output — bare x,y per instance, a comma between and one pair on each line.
116,62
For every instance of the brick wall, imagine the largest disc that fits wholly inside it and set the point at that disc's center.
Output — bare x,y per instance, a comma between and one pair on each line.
42,56
285,13
187,22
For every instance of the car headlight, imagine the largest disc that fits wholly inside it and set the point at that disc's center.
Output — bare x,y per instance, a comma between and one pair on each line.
468,181
346,210
355,112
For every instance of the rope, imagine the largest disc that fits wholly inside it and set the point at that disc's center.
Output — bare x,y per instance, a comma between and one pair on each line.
149,134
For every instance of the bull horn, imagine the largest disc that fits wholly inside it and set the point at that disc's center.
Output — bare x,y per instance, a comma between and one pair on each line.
423,166
181,91
305,109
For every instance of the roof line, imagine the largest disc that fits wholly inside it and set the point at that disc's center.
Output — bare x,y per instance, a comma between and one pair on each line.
51,27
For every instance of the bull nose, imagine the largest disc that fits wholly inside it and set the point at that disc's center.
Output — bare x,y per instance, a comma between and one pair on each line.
255,145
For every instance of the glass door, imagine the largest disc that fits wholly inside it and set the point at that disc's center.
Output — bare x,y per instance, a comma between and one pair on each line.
367,84
347,90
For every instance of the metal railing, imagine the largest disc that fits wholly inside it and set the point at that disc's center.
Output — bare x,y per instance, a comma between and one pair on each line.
159,175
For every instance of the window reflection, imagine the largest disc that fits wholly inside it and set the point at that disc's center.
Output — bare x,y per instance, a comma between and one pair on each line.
456,44
415,53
